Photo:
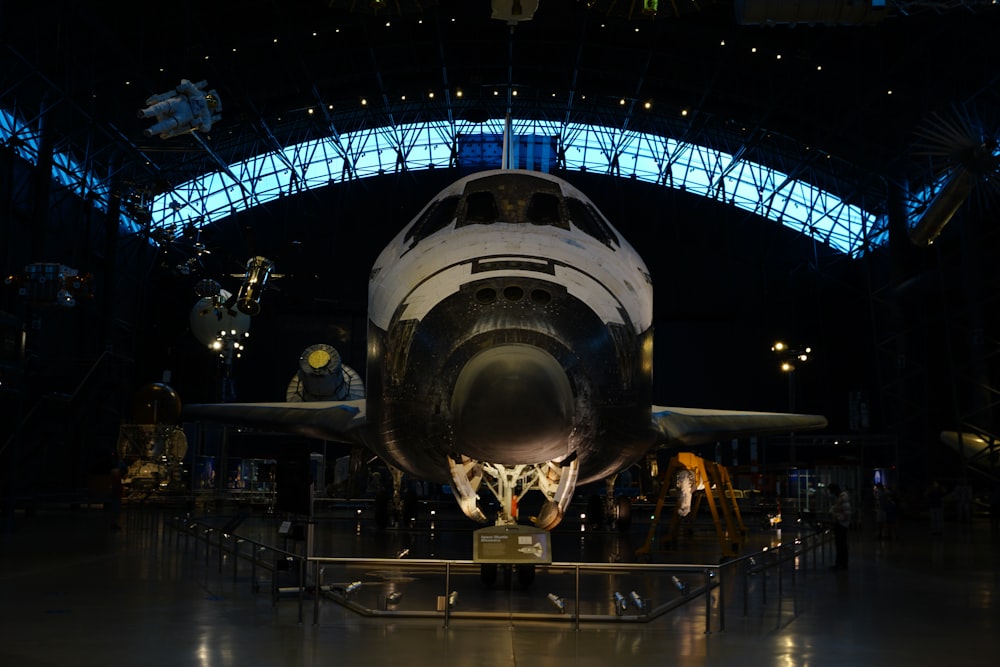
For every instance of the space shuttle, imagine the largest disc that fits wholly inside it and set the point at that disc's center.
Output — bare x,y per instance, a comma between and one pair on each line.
975,448
509,349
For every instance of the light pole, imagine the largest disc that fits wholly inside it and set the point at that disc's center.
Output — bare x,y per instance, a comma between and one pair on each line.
788,357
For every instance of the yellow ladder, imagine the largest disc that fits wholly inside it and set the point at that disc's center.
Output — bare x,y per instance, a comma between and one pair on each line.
707,475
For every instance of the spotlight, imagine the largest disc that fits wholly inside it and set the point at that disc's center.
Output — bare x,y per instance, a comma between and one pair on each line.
621,604
403,553
393,598
557,602
680,585
452,598
350,588
636,600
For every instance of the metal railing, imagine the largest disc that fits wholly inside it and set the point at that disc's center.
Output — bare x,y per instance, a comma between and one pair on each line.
751,581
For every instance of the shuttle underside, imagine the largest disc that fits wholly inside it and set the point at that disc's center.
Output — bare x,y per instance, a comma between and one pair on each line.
535,379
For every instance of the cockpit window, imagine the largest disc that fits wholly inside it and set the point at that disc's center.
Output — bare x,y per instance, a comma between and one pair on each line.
481,207
543,209
591,222
512,199
435,218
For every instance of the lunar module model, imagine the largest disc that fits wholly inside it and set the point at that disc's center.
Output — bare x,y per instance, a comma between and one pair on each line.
153,448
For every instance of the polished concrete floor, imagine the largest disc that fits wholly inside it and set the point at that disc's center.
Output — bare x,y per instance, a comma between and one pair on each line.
73,591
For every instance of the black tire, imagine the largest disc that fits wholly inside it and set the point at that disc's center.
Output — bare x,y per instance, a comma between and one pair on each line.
410,506
623,513
382,509
488,574
595,510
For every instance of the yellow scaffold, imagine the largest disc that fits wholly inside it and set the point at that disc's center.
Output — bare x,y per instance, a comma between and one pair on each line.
697,479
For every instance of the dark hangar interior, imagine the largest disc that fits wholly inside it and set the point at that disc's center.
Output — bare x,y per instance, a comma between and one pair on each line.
873,102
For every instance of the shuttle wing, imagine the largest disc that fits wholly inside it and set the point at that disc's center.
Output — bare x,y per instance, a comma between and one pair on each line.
972,447
695,426
340,421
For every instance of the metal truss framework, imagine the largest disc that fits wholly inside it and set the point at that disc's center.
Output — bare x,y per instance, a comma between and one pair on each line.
718,163
731,178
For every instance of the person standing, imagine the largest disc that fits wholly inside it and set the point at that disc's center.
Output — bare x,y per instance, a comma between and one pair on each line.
995,509
840,512
880,500
935,507
962,493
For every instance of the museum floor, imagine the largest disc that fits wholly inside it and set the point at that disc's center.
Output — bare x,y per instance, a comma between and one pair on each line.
74,591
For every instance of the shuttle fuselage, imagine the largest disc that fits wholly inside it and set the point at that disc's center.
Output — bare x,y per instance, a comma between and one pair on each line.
510,323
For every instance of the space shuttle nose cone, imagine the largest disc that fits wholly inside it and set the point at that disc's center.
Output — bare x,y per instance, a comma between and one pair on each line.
513,404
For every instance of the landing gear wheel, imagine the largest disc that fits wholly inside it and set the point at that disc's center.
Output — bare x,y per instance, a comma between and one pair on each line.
595,511
623,513
381,509
488,574
410,506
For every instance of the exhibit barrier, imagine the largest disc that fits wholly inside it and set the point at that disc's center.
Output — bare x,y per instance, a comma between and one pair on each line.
559,592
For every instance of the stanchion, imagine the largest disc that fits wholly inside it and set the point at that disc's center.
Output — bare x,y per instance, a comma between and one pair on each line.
576,603
447,589
722,598
302,586
708,603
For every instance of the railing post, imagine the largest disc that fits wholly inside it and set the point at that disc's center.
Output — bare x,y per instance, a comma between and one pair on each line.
447,589
318,583
302,586
253,567
722,599
576,599
708,603
746,586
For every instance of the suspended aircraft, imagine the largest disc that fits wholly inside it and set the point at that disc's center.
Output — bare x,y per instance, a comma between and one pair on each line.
510,348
